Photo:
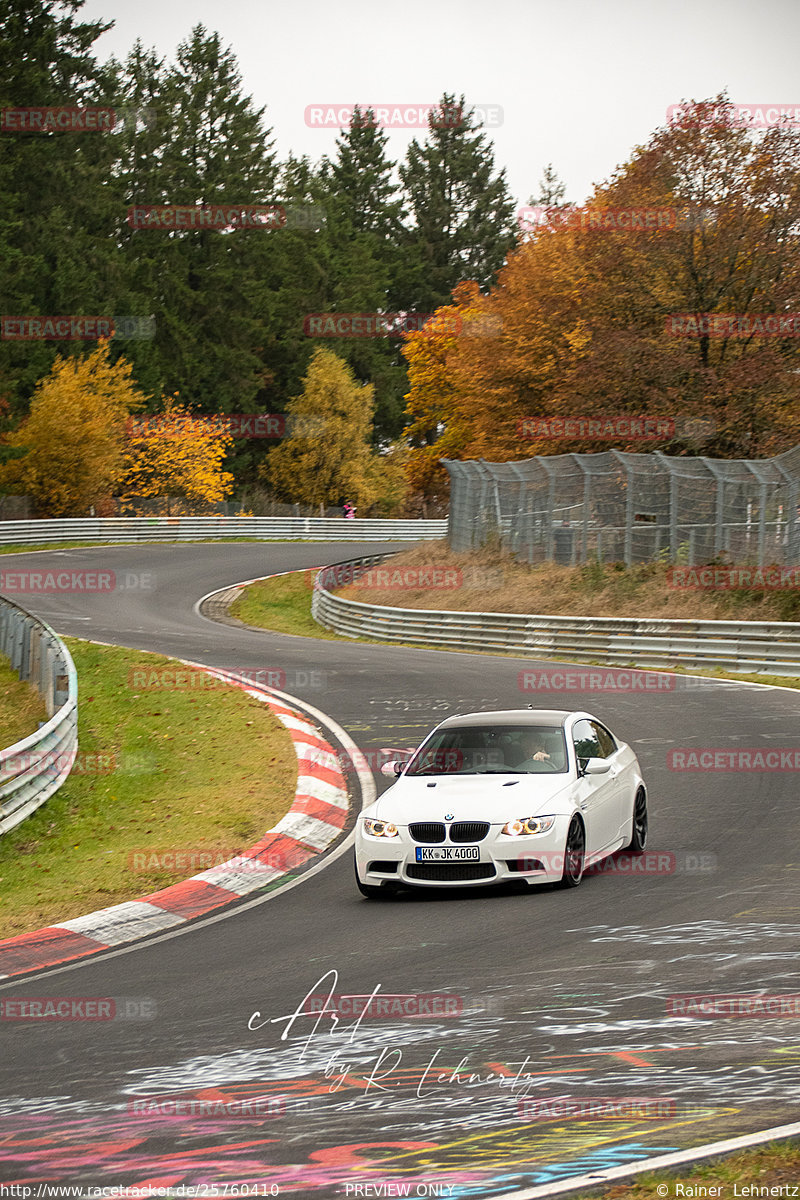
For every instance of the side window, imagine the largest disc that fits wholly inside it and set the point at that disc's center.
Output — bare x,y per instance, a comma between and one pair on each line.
586,741
607,743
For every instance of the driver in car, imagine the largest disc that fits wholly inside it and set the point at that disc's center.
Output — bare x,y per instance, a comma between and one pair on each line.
536,753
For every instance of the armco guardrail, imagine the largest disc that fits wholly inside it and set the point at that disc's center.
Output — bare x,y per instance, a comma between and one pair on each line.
618,641
170,529
31,770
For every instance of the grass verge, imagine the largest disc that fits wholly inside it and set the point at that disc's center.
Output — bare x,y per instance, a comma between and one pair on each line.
775,1165
282,604
492,580
160,770
21,706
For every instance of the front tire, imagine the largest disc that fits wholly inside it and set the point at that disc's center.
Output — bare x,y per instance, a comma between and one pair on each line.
639,830
574,854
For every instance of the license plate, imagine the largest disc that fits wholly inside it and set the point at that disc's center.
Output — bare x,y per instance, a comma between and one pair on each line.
448,853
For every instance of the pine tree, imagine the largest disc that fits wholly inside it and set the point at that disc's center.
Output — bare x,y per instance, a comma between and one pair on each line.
552,190
141,178
203,285
365,235
55,219
462,209
294,280
362,192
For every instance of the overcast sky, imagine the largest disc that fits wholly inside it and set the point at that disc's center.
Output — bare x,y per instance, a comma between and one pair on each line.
580,84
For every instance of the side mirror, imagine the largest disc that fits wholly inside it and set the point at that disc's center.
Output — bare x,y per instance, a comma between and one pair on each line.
393,767
596,766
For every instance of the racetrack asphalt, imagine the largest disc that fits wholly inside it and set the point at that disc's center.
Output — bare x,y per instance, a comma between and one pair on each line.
559,994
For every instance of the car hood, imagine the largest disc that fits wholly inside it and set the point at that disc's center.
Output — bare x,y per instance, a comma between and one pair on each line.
469,798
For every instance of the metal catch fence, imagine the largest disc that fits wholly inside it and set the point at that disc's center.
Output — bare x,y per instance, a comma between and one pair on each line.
632,508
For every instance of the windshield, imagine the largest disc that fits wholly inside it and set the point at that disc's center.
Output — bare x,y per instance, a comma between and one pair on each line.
492,750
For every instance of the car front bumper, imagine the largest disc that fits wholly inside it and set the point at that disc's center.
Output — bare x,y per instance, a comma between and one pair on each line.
533,859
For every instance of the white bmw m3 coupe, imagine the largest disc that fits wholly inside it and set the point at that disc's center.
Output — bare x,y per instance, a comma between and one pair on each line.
532,795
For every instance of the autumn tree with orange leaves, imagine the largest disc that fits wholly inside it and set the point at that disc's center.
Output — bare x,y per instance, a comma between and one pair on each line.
579,321
175,453
69,450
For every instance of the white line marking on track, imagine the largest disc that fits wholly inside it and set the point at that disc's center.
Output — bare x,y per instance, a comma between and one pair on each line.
660,1162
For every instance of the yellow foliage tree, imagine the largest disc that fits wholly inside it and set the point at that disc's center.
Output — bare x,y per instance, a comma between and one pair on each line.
72,442
176,454
327,457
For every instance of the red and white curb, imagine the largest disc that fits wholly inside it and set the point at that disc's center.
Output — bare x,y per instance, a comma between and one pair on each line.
316,818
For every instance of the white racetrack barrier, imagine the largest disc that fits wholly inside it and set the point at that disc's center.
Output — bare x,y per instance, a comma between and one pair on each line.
179,529
32,769
752,646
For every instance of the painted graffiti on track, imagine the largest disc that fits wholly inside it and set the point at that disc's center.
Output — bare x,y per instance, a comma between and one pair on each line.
437,1099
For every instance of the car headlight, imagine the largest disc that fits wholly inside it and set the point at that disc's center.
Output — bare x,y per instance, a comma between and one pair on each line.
525,825
379,828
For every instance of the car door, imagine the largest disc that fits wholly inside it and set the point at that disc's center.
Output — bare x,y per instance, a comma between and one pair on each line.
597,795
618,778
